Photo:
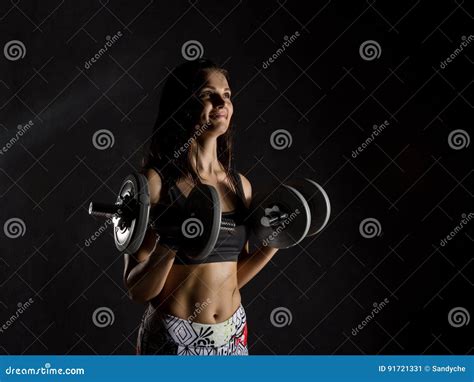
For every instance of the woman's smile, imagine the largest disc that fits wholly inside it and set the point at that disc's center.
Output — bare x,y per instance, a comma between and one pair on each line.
222,114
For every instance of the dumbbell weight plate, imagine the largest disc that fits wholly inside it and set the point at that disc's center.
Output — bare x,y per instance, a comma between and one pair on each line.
200,228
130,230
318,202
291,230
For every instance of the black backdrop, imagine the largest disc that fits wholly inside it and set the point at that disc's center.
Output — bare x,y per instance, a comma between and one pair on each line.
322,95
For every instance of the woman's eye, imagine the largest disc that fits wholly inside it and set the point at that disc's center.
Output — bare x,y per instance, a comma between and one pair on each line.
208,93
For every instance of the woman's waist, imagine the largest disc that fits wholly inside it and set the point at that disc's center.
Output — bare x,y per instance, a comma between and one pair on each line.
222,274
186,332
201,305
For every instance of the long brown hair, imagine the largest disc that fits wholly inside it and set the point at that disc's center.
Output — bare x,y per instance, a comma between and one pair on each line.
178,114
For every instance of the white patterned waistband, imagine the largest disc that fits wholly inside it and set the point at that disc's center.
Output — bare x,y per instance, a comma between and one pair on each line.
184,332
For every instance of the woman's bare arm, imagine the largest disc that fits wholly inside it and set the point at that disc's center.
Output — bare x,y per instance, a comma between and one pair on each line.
249,264
146,270
145,279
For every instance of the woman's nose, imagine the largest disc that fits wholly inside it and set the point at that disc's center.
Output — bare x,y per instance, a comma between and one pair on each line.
217,100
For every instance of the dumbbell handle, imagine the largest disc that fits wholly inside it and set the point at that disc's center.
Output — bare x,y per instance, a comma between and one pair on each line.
106,210
275,217
126,209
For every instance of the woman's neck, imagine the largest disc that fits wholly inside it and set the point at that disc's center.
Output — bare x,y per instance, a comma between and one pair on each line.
203,157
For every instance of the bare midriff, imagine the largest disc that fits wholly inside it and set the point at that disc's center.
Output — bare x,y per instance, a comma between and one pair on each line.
203,293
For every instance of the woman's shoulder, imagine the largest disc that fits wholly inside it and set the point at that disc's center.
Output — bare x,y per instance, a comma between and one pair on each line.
247,187
155,184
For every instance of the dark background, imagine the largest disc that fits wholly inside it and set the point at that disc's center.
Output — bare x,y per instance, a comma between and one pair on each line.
320,90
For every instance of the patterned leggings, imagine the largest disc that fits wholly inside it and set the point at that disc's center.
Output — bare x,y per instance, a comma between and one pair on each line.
162,333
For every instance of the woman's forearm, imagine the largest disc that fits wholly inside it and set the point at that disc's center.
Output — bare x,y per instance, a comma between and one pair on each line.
146,279
251,263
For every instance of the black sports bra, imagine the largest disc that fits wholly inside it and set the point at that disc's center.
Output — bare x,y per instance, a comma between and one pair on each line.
229,245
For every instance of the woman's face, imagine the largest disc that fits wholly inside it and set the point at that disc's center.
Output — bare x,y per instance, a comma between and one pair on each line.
217,108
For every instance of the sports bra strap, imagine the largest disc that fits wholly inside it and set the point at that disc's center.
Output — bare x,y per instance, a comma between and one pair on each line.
240,188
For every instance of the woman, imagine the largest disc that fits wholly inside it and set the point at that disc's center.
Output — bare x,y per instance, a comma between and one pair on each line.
194,307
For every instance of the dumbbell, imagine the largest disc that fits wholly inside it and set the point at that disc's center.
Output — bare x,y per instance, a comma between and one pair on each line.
282,217
279,217
196,228
129,214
